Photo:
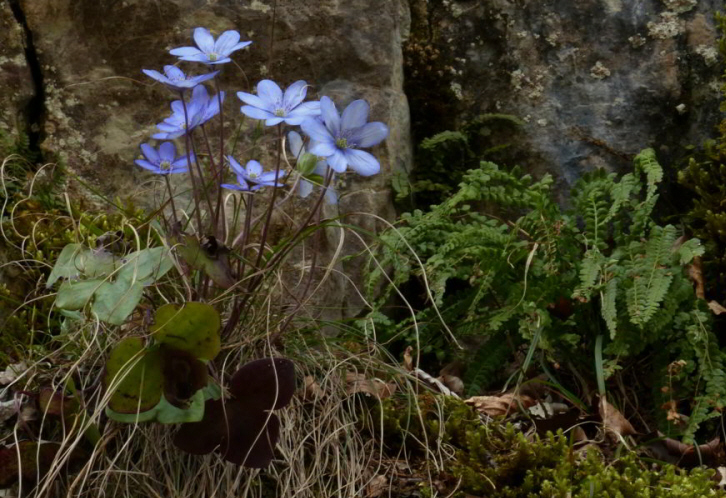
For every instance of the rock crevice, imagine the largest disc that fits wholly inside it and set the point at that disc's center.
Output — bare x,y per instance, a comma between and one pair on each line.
34,111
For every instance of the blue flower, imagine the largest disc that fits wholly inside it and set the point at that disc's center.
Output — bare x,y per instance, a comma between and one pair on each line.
271,105
338,138
209,51
305,187
163,161
175,79
252,176
200,109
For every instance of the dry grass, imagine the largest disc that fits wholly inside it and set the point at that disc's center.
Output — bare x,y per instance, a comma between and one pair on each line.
324,448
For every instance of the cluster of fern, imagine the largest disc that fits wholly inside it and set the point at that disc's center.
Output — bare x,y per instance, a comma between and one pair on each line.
499,461
500,264
705,176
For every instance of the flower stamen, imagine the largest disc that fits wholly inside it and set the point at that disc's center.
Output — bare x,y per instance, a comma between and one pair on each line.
341,143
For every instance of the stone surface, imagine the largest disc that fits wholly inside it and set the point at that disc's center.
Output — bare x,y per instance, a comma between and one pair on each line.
595,81
16,80
100,107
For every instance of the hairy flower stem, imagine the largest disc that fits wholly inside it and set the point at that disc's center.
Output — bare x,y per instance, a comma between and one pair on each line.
205,188
271,208
303,297
195,190
239,307
220,169
171,199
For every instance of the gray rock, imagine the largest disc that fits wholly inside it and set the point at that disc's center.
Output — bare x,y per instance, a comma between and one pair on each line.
595,81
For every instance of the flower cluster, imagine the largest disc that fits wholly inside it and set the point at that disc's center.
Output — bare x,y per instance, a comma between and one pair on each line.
335,141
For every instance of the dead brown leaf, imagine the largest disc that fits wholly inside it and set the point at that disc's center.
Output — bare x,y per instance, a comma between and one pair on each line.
312,389
695,273
686,455
613,421
376,487
408,359
453,382
358,383
716,307
497,406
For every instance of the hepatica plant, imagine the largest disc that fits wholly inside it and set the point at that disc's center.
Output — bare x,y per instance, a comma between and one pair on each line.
180,292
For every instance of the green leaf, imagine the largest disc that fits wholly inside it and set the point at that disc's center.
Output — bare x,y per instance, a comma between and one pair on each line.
69,264
75,295
212,391
306,164
146,266
114,302
166,413
134,377
193,327
99,263
131,418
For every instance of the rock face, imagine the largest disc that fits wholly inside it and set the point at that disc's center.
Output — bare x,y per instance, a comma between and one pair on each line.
99,107
595,81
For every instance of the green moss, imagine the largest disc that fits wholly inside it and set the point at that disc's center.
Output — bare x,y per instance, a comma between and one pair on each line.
499,461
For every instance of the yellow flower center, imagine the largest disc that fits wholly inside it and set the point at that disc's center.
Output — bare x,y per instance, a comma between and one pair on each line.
165,165
342,143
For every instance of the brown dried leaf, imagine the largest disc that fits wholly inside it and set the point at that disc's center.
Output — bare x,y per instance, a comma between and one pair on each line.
453,382
695,273
497,406
686,455
408,359
358,383
376,487
312,389
614,421
716,308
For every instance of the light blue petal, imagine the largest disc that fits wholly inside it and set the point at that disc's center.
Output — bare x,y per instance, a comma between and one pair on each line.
323,149
362,162
239,46
219,61
200,57
253,168
302,112
295,94
202,78
295,142
167,152
173,72
182,161
253,100
331,196
256,112
337,162
273,121
185,51
150,153
269,92
155,75
330,116
204,40
321,168
225,42
147,165
355,115
368,135
317,131
304,188
242,188
236,167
